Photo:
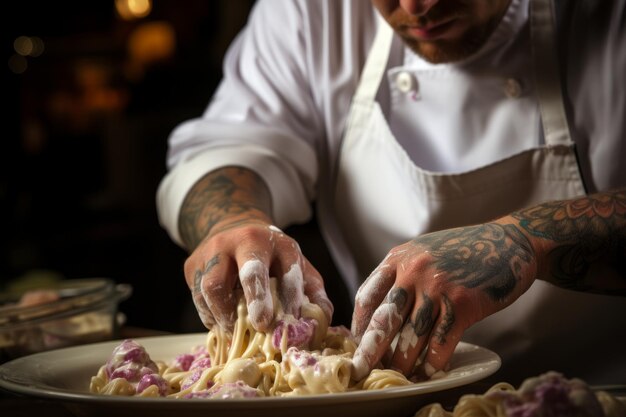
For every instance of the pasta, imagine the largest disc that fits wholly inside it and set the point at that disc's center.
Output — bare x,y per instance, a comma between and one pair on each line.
298,357
549,394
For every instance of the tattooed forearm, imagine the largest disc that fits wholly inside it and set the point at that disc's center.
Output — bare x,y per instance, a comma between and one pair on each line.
566,221
219,195
490,256
583,235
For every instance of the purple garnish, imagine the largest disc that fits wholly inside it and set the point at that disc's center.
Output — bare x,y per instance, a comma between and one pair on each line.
191,379
153,379
550,395
132,372
233,390
299,332
198,394
200,363
129,355
300,358
183,361
197,367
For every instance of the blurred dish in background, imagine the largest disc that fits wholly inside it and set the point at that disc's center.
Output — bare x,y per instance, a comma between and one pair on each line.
67,313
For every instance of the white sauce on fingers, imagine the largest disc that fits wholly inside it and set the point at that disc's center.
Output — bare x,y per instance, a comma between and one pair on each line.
274,229
408,338
293,289
251,275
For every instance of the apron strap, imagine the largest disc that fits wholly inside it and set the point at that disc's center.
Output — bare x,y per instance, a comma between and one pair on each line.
376,63
546,73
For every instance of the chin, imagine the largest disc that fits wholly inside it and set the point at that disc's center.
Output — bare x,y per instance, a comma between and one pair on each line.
443,52
448,50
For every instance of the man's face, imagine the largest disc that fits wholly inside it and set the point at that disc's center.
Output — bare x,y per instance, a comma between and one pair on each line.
443,30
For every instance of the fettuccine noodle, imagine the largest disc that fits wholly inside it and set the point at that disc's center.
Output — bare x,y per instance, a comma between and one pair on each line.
298,357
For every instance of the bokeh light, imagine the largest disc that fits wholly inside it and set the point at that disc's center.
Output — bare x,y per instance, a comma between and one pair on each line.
23,45
133,9
17,64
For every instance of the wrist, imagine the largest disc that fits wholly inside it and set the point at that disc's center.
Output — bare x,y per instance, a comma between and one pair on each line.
538,247
249,218
225,196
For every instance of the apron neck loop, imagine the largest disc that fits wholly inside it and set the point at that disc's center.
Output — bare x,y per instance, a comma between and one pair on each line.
546,73
376,63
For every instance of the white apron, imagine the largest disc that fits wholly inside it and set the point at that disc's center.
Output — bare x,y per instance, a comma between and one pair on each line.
394,201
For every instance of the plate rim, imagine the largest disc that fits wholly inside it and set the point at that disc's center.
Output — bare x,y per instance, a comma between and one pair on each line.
29,388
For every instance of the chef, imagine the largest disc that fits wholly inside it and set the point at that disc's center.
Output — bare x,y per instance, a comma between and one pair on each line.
465,162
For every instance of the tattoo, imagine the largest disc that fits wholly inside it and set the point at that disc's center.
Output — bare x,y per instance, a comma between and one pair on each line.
587,231
424,317
197,280
447,322
196,293
399,297
566,221
489,256
221,194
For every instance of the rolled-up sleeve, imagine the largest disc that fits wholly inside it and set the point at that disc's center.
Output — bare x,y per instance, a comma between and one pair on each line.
262,117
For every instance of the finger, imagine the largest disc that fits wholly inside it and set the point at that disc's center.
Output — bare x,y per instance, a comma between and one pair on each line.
201,307
194,277
445,337
292,290
371,293
217,281
414,335
315,291
255,281
291,283
385,323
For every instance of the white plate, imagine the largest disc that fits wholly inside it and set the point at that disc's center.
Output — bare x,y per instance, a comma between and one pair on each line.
64,375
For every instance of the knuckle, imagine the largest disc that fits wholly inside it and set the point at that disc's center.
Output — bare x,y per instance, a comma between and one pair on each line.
211,288
253,233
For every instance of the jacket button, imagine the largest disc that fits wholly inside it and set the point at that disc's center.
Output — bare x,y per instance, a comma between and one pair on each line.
512,88
405,82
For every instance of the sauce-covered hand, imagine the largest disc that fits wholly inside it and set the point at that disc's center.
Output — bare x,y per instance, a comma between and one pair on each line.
246,255
225,217
431,289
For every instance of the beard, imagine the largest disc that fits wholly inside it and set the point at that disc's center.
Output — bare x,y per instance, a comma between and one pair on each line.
447,50
442,51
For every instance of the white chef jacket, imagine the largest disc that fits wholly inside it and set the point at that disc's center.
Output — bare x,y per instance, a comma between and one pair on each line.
290,76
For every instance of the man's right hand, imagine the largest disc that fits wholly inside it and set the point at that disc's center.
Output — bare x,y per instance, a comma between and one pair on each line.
225,217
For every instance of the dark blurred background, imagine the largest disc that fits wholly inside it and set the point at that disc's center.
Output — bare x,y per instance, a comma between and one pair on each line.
92,91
